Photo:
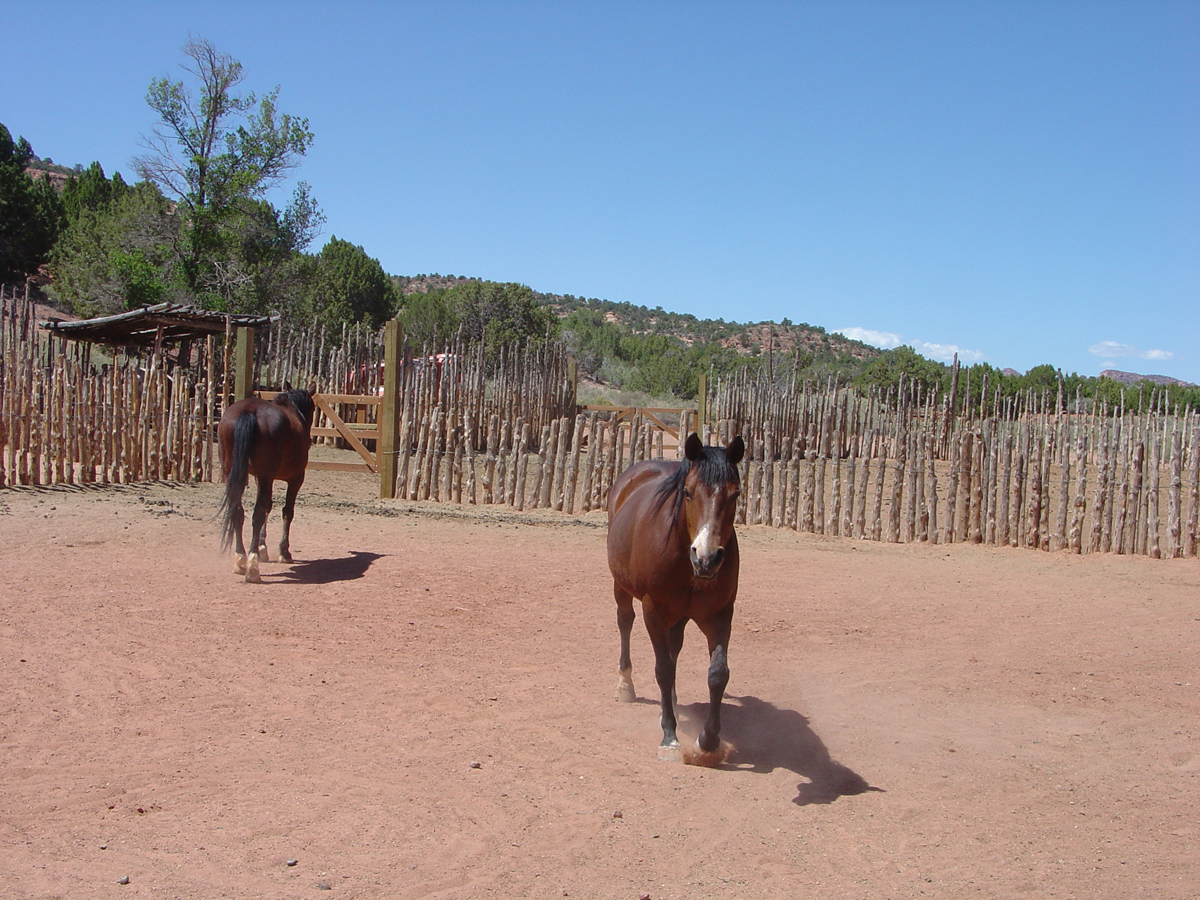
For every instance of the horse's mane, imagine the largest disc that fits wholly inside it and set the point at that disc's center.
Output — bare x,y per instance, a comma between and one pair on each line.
714,470
302,400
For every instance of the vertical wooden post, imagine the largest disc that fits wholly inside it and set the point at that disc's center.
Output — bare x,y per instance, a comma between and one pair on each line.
573,378
389,411
701,410
243,361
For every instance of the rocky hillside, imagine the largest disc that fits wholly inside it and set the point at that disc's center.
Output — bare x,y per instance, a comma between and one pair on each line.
1134,378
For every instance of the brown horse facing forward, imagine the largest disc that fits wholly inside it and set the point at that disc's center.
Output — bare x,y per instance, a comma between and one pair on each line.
671,544
268,439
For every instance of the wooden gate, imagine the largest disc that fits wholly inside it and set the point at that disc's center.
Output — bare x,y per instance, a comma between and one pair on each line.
353,433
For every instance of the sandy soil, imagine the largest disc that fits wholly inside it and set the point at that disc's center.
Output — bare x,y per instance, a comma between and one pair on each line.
423,706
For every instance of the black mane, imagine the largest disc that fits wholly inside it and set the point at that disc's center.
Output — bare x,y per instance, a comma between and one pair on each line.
302,400
714,470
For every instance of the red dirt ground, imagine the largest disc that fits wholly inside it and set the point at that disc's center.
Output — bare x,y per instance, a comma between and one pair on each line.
909,721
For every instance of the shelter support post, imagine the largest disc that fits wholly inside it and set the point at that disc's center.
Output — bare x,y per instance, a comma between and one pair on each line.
243,363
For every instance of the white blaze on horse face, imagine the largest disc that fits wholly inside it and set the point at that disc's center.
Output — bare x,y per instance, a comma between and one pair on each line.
707,542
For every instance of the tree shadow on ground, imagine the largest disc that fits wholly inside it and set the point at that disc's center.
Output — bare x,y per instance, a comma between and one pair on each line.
328,571
766,737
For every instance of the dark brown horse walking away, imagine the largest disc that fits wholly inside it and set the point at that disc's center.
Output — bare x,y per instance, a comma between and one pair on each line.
268,439
671,544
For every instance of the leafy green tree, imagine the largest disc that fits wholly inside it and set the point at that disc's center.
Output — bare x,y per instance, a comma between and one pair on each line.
886,370
218,154
498,313
1040,378
429,319
501,313
117,255
30,212
349,286
91,190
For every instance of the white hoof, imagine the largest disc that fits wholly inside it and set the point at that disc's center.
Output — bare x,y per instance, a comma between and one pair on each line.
670,753
625,691
239,565
252,573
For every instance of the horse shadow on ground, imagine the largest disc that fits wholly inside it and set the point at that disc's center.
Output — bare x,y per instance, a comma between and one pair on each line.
328,571
766,737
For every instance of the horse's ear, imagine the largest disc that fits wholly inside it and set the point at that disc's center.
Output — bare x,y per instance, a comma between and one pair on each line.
312,388
693,449
287,386
735,451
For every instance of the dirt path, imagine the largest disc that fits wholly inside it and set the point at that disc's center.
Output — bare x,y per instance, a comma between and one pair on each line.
909,721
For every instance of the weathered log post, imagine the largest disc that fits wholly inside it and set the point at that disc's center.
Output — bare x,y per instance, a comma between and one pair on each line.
1099,498
1191,536
1152,512
522,466
1079,502
570,483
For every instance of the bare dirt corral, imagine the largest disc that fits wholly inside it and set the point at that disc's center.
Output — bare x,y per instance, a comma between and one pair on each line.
909,720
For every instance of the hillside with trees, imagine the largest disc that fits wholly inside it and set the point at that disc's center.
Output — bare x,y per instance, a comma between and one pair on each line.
197,227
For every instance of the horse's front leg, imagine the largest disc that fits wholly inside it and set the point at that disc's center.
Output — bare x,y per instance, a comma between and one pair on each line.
664,674
289,511
717,632
625,618
258,524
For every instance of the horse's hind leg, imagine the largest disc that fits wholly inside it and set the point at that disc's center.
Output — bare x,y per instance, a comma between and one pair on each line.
238,517
258,524
289,511
625,618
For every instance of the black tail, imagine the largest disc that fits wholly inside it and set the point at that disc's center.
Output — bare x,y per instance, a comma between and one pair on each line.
245,429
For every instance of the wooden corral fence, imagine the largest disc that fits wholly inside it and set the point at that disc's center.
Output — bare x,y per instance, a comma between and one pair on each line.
457,425
1032,471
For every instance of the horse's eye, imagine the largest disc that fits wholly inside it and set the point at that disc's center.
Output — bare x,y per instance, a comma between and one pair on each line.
687,494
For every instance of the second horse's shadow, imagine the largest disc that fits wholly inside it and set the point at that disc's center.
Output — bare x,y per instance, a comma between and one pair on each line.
328,571
767,737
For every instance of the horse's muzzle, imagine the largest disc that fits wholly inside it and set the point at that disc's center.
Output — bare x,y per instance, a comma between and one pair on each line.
707,566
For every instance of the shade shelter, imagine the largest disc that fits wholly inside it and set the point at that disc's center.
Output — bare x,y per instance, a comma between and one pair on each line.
161,324
167,324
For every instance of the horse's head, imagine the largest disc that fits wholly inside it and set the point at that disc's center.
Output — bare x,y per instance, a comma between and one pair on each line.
709,502
301,399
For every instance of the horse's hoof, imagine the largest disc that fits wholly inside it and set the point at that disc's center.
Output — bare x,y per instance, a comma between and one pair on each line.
252,573
239,565
285,557
670,753
708,758
253,578
625,691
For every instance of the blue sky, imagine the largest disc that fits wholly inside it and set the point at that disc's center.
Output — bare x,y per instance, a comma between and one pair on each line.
1019,182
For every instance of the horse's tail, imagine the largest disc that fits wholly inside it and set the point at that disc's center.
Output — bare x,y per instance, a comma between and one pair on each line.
245,429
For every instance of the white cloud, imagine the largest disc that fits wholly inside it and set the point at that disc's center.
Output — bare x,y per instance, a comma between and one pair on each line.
946,352
884,340
887,340
1115,350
